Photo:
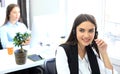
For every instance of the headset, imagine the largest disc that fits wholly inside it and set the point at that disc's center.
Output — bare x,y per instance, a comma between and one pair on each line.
96,35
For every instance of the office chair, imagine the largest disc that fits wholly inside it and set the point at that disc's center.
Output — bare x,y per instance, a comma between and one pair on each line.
50,66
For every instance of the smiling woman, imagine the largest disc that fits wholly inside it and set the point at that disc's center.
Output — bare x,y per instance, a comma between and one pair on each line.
83,50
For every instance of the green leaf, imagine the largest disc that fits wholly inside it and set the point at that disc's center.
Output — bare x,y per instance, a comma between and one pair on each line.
20,38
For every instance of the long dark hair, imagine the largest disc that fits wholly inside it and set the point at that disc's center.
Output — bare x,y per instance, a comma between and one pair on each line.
72,40
8,10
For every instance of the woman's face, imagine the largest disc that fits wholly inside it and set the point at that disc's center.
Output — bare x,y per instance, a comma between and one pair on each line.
85,33
14,14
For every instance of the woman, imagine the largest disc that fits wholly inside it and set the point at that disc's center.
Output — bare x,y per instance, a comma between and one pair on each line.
12,25
83,53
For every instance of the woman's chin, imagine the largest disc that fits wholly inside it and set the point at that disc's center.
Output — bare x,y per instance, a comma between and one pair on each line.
86,44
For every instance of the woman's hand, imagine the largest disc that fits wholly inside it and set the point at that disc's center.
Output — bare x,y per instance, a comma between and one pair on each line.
102,46
27,41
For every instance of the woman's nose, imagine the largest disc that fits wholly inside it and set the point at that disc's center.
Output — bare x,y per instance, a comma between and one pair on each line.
86,34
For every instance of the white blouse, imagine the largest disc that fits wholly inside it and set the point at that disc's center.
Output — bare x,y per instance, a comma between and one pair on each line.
84,66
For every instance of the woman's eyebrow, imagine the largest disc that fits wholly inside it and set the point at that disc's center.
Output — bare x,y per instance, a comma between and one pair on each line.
92,29
81,28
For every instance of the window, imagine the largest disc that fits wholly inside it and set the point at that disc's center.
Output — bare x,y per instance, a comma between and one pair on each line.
112,27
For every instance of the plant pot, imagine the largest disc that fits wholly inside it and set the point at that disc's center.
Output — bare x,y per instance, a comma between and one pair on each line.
20,57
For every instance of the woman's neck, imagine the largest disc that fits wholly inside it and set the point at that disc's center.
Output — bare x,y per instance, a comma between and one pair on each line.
81,51
13,22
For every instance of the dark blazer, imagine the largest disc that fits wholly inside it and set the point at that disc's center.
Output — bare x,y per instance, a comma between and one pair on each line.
72,54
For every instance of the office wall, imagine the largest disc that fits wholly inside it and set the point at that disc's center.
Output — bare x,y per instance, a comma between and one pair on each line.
48,21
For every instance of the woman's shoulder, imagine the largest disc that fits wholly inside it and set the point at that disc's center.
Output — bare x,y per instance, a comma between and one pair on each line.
66,45
20,23
3,28
69,48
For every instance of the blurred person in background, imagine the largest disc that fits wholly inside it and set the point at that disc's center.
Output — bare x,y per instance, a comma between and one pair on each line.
12,25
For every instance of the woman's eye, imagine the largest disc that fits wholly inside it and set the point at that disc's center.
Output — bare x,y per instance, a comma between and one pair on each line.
81,30
91,31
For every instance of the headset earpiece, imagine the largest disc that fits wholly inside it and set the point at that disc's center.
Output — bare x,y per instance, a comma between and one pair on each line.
96,35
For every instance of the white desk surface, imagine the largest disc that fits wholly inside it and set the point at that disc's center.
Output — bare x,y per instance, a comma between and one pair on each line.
8,64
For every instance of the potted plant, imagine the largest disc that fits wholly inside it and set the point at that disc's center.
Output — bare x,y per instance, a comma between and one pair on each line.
21,53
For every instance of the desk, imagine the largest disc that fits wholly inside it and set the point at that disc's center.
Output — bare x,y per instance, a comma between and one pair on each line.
8,64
